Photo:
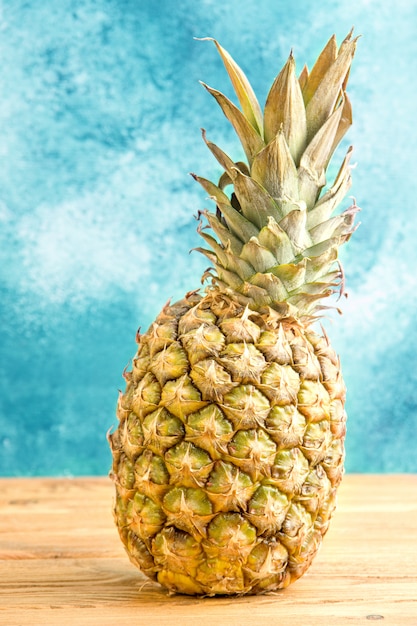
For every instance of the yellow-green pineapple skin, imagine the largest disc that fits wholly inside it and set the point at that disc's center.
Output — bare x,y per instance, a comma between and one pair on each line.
230,444
229,451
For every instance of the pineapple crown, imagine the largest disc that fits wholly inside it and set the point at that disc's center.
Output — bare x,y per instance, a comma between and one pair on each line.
277,239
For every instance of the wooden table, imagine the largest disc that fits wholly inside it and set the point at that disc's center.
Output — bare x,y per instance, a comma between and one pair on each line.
62,563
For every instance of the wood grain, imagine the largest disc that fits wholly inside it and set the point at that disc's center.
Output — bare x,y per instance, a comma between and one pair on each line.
62,563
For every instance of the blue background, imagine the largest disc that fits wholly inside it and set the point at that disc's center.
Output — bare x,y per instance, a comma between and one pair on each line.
100,116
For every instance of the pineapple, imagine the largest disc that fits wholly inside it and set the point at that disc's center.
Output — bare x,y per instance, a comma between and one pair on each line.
230,443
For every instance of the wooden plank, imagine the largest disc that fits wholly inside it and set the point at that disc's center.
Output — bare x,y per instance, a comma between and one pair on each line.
62,563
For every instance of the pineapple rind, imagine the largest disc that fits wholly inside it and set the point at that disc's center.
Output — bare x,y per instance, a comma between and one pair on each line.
238,492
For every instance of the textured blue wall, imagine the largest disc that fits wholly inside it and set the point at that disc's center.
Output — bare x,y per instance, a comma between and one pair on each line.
100,116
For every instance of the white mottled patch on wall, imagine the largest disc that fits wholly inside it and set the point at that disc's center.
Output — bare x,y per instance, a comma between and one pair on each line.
70,252
377,313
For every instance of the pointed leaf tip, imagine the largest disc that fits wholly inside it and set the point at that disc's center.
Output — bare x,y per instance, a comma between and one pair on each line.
243,89
332,81
284,110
